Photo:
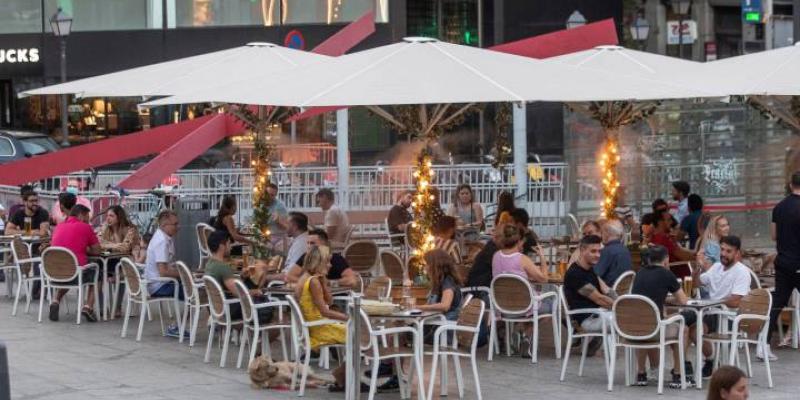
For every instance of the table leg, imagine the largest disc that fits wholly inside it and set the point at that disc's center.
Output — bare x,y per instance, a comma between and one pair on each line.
420,349
105,289
698,368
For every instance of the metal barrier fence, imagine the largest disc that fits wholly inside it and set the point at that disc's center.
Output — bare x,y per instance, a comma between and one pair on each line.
370,188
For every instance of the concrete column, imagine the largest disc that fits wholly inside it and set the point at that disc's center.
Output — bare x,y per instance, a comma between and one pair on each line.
343,158
520,149
656,14
796,12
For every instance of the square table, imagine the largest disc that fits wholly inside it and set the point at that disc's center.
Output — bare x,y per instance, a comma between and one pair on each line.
698,307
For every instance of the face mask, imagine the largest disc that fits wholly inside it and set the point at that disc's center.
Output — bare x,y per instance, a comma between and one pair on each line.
72,189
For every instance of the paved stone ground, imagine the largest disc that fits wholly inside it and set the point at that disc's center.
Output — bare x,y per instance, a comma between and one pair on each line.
61,361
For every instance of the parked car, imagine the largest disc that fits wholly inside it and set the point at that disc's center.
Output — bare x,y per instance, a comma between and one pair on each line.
16,145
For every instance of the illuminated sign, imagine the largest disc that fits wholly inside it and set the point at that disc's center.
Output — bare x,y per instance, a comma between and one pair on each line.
13,56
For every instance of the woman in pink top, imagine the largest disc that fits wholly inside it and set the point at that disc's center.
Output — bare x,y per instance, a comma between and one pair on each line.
510,260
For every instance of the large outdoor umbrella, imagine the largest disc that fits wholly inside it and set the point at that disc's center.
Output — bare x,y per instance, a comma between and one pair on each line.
249,62
613,115
426,71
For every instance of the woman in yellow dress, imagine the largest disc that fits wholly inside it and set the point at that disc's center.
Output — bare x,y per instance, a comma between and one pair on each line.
315,300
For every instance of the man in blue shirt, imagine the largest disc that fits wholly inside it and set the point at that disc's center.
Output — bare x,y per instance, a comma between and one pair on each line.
690,225
615,258
680,192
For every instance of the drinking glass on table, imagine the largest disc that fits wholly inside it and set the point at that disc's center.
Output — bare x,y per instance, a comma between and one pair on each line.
383,294
28,226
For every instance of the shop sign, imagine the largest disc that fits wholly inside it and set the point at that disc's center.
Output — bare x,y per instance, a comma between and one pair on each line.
688,31
19,55
720,174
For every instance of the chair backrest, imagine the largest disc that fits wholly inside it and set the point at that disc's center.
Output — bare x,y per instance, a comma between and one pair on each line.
245,299
350,230
59,264
361,255
565,307
755,283
216,297
511,294
187,280
635,317
757,302
624,283
20,252
471,316
376,284
366,340
392,265
133,281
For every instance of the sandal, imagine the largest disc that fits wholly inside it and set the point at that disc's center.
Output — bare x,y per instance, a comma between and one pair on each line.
88,313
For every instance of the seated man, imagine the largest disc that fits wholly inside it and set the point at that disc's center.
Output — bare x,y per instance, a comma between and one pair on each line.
445,233
39,218
615,259
662,235
337,224
77,235
339,271
160,262
583,289
298,231
219,244
399,217
728,281
655,281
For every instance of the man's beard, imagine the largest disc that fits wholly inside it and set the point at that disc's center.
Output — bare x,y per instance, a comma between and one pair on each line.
726,261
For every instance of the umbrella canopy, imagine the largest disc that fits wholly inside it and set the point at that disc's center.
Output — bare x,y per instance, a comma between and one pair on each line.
767,73
185,74
426,71
639,64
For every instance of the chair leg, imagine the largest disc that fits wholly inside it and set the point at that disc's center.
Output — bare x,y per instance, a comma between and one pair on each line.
225,344
160,319
749,363
243,338
28,285
195,322
627,364
766,364
661,353
283,345
556,335
477,379
80,304
584,348
682,361
182,322
210,341
373,378
434,366
304,375
565,360
144,313
126,318
42,292
508,339
611,369
420,376
254,345
459,377
16,298
535,341
492,338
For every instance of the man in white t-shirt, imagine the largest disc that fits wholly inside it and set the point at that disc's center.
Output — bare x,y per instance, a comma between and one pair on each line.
729,281
336,222
160,262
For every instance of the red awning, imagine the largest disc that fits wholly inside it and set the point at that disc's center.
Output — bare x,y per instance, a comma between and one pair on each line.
348,37
602,33
92,155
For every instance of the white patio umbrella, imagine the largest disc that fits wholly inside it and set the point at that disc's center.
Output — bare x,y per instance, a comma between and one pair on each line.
252,61
766,73
642,65
426,71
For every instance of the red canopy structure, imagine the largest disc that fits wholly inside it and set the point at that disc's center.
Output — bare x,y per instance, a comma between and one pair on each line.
589,36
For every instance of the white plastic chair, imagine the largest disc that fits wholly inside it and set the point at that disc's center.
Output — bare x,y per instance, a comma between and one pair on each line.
59,269
574,332
513,297
259,328
220,310
301,339
374,349
202,231
638,325
193,301
624,283
464,344
136,293
22,264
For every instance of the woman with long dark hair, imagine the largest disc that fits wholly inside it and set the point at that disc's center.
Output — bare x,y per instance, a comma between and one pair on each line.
446,282
505,203
728,383
467,212
224,219
117,234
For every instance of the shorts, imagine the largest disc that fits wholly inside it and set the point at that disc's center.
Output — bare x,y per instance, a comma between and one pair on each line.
264,314
595,323
710,321
168,290
87,276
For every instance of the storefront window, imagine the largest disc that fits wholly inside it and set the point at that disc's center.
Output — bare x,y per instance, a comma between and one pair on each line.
20,16
105,15
332,11
197,13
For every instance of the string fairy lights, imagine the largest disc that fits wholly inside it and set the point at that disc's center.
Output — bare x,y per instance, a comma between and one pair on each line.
423,204
608,166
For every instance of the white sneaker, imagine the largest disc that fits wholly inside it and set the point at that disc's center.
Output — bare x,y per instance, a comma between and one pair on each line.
760,354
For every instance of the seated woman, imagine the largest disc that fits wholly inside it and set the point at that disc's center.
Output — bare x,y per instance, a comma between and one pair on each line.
117,234
709,252
445,233
224,220
315,300
505,203
467,212
510,260
446,282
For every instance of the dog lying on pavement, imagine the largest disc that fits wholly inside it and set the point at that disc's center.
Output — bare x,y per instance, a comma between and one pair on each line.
268,374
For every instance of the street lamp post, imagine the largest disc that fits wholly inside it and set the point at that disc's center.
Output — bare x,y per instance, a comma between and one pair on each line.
640,30
576,19
61,24
681,8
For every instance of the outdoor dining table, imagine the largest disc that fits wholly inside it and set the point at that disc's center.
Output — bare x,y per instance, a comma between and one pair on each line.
284,290
103,259
698,307
413,318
